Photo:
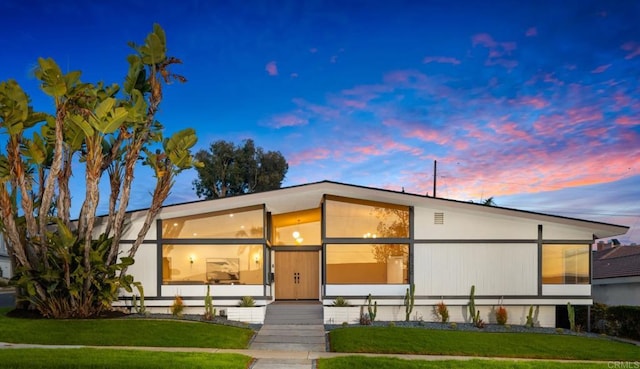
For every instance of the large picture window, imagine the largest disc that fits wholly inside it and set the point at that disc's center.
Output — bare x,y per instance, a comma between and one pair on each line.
565,264
212,264
236,223
367,263
352,218
297,228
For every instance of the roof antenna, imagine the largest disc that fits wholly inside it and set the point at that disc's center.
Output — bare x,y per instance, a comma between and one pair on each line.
435,170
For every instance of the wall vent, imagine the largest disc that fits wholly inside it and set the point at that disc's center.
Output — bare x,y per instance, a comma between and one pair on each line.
438,218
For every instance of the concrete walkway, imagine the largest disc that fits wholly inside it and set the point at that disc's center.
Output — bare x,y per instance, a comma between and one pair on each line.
290,327
284,356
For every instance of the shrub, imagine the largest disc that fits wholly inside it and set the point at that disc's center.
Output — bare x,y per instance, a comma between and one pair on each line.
392,324
365,319
626,320
247,301
453,325
442,311
345,324
340,302
501,315
178,307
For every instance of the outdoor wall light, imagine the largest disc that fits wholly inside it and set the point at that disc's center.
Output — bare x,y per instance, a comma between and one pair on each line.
192,259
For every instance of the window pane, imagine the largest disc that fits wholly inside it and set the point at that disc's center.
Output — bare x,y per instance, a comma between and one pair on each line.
214,264
297,228
355,218
238,223
368,264
565,264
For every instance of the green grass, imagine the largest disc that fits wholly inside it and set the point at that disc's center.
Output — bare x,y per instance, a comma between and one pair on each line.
388,340
121,332
117,359
361,362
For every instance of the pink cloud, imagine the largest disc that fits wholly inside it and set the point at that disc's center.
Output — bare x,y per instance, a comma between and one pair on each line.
595,131
288,120
627,121
536,102
498,51
483,39
441,59
405,77
308,156
531,31
601,68
511,131
633,48
271,68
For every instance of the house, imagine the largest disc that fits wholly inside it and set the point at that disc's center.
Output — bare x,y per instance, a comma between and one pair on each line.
616,275
324,240
5,261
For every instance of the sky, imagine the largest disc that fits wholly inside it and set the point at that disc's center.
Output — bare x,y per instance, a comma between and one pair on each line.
536,103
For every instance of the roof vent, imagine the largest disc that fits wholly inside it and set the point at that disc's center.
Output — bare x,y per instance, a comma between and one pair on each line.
438,218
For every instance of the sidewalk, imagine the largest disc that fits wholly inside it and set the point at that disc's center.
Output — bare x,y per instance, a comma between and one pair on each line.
288,355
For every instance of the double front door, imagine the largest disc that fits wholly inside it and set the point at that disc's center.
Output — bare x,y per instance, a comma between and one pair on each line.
297,275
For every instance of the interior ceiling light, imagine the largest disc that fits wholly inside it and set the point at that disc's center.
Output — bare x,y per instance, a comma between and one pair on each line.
296,235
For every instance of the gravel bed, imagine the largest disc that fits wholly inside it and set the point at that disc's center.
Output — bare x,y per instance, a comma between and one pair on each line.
489,328
194,318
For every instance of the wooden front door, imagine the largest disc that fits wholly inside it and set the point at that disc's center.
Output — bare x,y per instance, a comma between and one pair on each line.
297,275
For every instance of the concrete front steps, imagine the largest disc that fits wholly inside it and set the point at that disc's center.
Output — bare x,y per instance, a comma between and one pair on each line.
290,327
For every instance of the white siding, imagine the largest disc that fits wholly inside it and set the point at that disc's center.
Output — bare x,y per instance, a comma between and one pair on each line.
552,231
366,289
218,292
471,225
495,269
144,269
566,290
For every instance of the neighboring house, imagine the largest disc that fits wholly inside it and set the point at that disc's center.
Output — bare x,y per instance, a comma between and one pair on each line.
616,275
322,240
5,262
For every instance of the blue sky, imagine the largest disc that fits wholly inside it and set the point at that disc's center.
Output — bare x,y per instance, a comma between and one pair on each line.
536,103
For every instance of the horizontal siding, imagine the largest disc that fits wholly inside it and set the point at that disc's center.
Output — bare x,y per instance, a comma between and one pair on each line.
471,225
144,268
495,269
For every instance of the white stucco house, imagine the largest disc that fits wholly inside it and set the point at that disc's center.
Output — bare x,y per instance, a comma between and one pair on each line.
322,240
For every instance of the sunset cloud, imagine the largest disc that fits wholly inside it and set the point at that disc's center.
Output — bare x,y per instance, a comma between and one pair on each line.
271,68
601,68
633,48
441,59
499,52
531,31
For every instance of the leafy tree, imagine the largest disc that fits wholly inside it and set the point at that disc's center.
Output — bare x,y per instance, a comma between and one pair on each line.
66,268
230,170
396,229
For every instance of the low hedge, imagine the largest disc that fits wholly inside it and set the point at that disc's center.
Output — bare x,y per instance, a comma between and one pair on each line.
620,321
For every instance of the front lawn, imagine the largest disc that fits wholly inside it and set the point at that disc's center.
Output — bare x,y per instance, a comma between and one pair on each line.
394,340
121,332
117,359
361,362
